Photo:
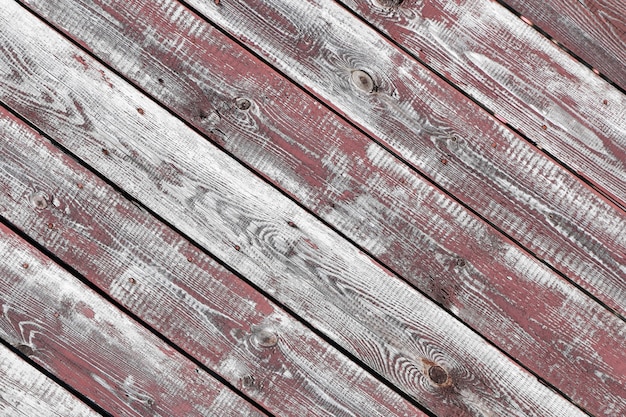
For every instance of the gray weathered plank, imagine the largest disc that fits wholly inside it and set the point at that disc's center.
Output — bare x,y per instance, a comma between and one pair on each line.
367,194
89,344
269,239
26,392
594,30
178,290
521,76
200,74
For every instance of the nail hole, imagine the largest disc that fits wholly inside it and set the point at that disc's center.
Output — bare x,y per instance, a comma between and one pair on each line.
291,224
132,280
50,226
243,103
79,185
161,81
237,248
363,81
544,127
140,111
105,152
25,265
438,375
460,262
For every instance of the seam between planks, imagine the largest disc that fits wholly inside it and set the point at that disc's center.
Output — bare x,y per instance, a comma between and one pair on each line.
244,164
353,125
334,344
474,100
95,407
140,322
563,47
225,265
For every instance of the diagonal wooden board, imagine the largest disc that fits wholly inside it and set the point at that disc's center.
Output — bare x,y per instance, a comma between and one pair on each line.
515,72
319,44
593,30
178,290
26,392
262,229
335,170
87,343
517,303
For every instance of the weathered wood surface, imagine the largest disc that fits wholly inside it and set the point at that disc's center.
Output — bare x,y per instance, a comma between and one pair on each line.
319,44
336,171
86,342
527,81
593,30
274,243
324,164
26,392
179,291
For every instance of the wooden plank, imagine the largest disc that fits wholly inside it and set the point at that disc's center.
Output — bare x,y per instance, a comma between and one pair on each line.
277,245
26,392
315,157
179,291
87,343
593,30
521,76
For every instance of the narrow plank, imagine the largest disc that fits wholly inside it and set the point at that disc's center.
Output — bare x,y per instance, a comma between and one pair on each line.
26,392
593,30
315,157
274,243
181,292
87,343
521,76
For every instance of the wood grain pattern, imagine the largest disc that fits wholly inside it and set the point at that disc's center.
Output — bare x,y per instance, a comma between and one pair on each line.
26,392
270,240
86,342
521,76
594,30
288,138
178,290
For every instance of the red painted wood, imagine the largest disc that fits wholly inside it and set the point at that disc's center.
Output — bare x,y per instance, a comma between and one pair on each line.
90,345
309,268
26,392
181,292
519,75
291,140
593,30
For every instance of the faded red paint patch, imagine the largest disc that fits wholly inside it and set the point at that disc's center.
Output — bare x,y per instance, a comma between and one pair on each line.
85,310
81,60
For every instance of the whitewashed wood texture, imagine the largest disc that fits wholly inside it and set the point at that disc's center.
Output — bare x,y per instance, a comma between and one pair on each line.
281,248
367,194
86,342
178,290
26,392
499,175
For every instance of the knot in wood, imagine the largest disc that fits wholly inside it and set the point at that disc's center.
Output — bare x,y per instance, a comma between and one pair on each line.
265,338
39,200
438,375
363,81
243,103
25,349
388,4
